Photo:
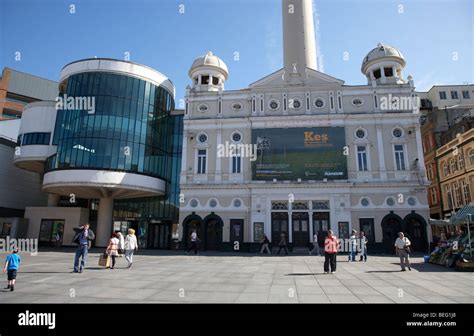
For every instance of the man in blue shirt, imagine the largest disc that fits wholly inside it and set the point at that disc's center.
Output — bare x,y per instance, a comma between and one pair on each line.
82,238
11,266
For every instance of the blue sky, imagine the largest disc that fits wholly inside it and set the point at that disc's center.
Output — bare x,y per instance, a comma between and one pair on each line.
155,33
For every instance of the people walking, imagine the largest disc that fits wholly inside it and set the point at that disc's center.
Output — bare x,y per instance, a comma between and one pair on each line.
315,245
12,264
59,237
283,244
194,242
121,247
112,248
331,245
402,246
363,246
353,246
265,243
83,238
130,246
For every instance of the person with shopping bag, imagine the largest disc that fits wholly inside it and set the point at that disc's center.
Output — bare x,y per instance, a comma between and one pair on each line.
112,249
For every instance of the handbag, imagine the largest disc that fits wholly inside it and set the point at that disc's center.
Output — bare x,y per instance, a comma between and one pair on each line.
104,260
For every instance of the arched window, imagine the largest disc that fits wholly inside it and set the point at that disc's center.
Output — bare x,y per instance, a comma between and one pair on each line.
445,169
453,165
471,156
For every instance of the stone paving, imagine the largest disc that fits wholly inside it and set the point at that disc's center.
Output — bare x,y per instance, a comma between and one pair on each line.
173,277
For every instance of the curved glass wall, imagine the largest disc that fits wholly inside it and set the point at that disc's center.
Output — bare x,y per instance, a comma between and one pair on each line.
38,138
125,127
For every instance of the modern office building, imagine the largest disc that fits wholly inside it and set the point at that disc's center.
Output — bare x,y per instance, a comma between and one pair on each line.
328,155
18,188
18,89
109,155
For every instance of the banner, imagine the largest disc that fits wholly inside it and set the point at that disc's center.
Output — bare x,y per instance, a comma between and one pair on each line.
306,153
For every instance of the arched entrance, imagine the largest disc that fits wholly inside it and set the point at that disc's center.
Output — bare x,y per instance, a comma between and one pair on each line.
190,223
213,232
391,226
415,230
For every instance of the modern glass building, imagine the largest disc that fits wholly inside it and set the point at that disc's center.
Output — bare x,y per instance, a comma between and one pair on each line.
116,143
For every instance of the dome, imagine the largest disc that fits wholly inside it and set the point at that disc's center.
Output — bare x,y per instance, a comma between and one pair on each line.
380,52
209,60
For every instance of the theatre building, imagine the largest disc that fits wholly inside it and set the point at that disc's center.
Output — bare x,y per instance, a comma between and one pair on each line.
328,155
109,156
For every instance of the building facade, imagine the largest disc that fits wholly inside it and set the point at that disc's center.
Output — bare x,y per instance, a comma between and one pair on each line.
456,172
307,152
446,112
109,152
18,89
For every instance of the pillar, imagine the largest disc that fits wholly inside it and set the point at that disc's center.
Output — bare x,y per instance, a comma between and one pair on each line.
53,200
104,222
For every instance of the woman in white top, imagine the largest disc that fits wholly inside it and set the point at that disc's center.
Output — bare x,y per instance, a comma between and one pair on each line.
112,248
121,242
130,246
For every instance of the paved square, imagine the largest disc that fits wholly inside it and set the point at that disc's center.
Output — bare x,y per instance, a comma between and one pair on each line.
241,278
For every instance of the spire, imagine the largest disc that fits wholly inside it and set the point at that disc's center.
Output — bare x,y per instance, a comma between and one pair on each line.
299,46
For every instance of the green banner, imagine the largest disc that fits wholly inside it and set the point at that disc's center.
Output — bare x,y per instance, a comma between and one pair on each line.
306,153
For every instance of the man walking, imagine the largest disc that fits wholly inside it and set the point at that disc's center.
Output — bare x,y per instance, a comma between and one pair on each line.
315,245
283,244
331,245
83,238
402,246
194,241
265,243
353,246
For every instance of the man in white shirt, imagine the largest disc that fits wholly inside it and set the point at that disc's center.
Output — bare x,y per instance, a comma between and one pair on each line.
402,245
315,245
194,241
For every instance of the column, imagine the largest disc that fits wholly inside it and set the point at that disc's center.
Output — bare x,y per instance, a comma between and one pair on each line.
380,143
104,222
184,156
382,74
218,158
419,152
53,200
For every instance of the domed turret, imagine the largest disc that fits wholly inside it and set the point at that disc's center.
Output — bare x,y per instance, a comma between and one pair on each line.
208,73
384,64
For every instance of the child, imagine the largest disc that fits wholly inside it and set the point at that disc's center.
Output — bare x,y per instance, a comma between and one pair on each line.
11,265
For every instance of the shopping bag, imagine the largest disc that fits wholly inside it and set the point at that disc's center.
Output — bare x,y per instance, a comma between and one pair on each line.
104,260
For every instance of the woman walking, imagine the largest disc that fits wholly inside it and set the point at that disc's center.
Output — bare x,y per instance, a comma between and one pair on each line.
283,244
331,245
265,243
112,248
130,246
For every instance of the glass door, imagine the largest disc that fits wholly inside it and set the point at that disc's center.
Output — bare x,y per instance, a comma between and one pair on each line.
321,225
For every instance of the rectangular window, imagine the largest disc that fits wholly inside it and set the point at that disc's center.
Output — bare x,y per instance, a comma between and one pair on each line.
367,226
236,163
377,74
429,171
457,195
466,192
449,196
399,157
454,95
442,95
362,158
434,196
465,95
258,232
202,157
388,72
